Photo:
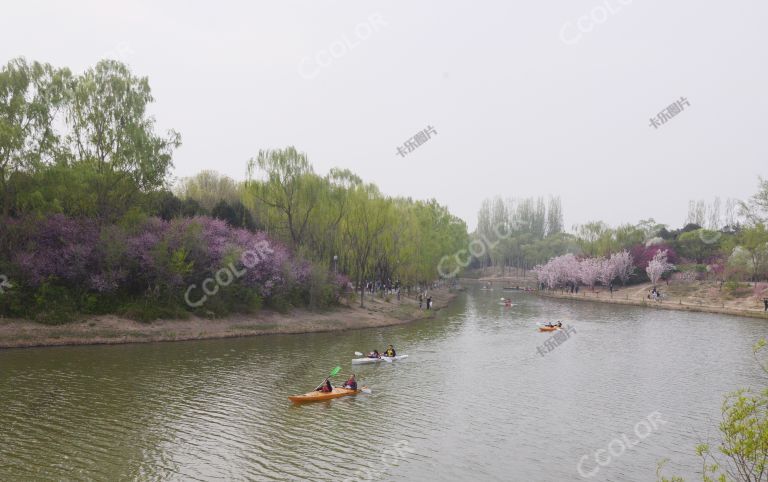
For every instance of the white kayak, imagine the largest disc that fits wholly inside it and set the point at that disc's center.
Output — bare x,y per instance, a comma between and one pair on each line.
366,360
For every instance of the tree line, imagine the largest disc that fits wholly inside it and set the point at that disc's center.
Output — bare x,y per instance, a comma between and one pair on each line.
728,243
91,222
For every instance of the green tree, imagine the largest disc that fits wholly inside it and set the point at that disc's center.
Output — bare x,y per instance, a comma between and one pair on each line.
31,96
699,245
113,136
754,240
208,188
290,190
368,217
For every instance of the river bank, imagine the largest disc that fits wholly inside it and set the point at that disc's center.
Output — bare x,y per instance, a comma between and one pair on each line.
698,297
112,329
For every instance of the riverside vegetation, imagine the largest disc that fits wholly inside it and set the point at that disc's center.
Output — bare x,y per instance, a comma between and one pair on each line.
91,224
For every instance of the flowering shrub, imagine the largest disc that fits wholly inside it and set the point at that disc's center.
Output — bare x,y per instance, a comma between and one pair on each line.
642,255
152,261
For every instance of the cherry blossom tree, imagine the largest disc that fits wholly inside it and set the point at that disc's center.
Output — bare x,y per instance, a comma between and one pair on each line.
589,271
607,271
559,271
658,266
624,265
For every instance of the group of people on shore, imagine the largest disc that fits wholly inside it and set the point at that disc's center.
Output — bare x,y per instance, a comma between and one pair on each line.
351,383
655,295
424,297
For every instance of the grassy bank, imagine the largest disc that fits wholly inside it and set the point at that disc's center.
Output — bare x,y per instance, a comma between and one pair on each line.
111,329
701,296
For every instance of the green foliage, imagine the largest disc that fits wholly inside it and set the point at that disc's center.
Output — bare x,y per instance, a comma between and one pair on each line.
30,95
54,305
373,236
147,309
754,242
208,188
698,245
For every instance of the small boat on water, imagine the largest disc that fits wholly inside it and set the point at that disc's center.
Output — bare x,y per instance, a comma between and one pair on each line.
366,360
546,327
320,396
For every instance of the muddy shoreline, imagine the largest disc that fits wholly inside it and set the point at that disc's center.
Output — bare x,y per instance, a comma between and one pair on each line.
111,329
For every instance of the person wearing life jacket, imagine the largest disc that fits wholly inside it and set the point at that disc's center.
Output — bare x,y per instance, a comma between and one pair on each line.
325,387
390,351
351,384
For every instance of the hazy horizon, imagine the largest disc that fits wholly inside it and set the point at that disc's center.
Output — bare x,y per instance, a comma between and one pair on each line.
526,100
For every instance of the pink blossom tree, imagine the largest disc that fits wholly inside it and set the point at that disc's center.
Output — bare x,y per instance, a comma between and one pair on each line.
658,265
624,265
607,271
558,271
589,271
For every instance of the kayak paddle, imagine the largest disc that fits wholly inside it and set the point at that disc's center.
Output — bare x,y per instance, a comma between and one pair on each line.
366,390
334,372
357,353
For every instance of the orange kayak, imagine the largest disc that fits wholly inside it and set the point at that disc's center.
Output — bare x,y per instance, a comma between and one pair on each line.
320,396
548,328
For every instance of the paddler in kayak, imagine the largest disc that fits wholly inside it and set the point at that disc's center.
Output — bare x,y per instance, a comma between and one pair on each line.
374,354
325,387
351,384
390,351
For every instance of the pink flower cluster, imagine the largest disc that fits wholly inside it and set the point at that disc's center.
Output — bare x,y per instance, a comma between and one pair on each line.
568,270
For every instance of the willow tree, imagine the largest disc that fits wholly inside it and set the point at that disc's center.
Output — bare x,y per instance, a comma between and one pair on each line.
282,182
31,96
209,188
368,216
113,136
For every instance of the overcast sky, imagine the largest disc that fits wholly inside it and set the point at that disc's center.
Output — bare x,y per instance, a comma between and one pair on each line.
527,98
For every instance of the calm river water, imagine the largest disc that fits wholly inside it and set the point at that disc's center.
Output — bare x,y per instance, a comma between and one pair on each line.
474,401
